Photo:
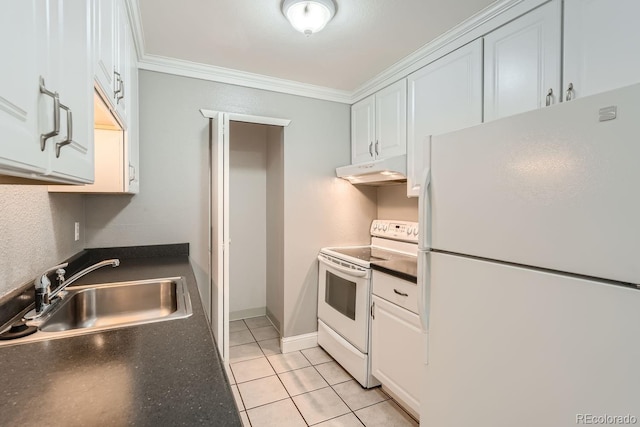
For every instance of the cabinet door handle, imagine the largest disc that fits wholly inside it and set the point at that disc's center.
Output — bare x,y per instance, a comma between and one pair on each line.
118,79
132,173
56,114
377,147
371,148
549,97
120,92
69,139
373,314
400,293
569,95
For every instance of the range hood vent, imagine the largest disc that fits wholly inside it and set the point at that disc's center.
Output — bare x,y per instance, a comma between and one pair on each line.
378,172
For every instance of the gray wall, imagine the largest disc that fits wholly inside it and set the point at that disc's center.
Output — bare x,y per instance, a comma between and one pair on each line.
247,220
36,232
319,209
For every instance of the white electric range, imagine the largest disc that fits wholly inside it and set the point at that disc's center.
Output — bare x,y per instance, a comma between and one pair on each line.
344,293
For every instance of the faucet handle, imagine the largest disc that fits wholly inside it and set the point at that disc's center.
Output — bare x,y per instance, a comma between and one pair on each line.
43,281
60,272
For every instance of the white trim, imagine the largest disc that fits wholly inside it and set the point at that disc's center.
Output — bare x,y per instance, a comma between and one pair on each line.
475,27
241,78
209,114
133,11
260,120
298,342
247,118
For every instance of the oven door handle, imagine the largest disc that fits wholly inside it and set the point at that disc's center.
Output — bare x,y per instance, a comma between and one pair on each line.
349,271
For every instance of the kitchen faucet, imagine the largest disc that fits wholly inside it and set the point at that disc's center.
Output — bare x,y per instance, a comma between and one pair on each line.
44,296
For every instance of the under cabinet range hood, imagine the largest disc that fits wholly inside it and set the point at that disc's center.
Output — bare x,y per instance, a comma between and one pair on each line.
392,170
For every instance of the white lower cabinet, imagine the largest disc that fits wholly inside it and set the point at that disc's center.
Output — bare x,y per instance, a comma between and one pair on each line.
396,350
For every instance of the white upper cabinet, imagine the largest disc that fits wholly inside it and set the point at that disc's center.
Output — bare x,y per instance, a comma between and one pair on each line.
522,63
444,96
105,46
391,120
20,152
70,67
363,130
45,96
379,124
601,46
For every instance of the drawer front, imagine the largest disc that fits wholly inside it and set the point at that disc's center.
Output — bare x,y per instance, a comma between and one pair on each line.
395,290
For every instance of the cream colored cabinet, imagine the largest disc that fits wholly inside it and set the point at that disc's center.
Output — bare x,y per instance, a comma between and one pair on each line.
45,96
444,96
522,63
396,339
378,124
601,46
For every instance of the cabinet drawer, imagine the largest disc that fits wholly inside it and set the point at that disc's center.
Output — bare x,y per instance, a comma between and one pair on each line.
395,290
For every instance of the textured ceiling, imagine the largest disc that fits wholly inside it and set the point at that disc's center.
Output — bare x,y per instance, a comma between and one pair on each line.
364,38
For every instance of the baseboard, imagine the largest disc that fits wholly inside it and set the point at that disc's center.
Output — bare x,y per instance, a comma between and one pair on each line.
245,314
298,342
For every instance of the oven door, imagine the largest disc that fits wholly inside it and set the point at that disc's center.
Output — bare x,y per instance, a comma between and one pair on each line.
343,299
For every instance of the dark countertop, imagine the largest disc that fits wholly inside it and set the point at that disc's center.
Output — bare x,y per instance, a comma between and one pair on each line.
166,373
402,266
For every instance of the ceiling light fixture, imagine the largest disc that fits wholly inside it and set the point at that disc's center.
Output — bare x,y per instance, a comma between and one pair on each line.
308,16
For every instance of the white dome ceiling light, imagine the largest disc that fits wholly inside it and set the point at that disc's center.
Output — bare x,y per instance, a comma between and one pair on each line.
308,16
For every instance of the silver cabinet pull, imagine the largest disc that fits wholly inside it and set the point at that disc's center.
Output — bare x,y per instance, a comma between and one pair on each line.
569,95
56,115
377,147
373,314
120,92
132,173
117,87
549,97
69,139
400,293
371,148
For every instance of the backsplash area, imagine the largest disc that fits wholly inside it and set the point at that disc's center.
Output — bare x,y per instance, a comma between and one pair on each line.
36,232
393,203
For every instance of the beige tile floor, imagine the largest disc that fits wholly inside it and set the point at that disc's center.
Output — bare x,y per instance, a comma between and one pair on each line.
302,388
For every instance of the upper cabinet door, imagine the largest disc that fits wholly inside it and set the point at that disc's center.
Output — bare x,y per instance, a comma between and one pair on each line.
444,96
105,45
19,88
522,63
71,67
391,120
362,130
601,46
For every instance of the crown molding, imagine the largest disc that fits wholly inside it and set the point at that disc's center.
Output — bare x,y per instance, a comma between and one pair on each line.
133,11
476,26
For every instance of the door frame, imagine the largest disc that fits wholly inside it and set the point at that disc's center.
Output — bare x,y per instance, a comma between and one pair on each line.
219,139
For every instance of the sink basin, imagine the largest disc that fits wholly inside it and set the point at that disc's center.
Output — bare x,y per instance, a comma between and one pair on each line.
92,308
119,304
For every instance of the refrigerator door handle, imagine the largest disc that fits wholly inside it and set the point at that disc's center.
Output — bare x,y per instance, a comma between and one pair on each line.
424,205
423,289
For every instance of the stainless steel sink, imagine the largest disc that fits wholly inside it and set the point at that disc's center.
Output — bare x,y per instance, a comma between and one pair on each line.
92,308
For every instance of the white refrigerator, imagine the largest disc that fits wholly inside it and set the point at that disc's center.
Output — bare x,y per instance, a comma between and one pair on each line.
529,266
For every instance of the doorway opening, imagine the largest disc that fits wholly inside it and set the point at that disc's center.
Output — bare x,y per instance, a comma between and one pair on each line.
247,223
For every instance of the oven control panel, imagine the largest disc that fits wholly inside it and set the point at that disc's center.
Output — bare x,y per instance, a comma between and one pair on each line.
398,230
